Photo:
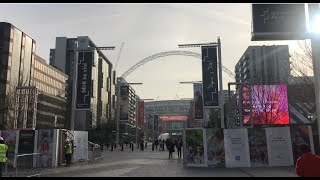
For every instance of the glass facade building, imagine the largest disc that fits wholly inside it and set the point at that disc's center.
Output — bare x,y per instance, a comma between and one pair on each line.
16,55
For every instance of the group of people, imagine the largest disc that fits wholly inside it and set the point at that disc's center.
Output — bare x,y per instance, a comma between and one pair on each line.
170,143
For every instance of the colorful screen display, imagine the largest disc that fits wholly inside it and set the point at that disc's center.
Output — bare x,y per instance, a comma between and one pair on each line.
270,104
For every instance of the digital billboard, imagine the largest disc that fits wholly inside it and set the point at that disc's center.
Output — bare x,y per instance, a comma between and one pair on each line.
173,118
270,104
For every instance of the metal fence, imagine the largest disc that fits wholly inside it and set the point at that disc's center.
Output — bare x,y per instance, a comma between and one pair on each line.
23,165
94,154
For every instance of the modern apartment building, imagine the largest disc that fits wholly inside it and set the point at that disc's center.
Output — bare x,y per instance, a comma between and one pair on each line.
264,65
102,81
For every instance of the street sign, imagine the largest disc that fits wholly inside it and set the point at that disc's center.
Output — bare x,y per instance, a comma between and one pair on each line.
278,22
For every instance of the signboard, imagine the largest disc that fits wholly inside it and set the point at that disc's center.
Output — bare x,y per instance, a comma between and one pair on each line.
236,145
258,147
140,112
278,22
194,148
26,142
45,146
279,146
173,118
84,81
198,101
300,135
215,147
124,102
210,76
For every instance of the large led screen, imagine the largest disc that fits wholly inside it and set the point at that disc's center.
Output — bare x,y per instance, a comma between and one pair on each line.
270,104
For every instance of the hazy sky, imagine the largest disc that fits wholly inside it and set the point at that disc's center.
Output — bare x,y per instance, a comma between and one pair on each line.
145,29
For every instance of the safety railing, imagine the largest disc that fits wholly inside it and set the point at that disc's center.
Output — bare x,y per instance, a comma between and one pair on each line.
94,154
23,165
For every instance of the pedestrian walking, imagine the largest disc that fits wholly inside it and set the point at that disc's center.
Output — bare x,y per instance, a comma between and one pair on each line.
170,147
308,163
68,151
132,146
179,145
3,154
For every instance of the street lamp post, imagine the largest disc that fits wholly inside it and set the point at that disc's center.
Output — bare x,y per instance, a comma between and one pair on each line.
220,72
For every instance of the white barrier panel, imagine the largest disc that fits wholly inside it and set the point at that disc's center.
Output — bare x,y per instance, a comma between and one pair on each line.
279,146
236,148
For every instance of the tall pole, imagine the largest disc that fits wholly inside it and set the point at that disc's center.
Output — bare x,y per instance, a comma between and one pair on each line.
118,111
315,45
74,85
137,111
153,129
313,10
220,84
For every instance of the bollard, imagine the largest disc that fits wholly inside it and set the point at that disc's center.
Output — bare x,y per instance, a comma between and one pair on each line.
121,147
132,147
152,147
111,147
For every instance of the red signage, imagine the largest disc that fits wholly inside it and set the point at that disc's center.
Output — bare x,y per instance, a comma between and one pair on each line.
173,118
140,112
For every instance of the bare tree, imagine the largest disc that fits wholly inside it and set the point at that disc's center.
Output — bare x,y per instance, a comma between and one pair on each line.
10,106
301,63
270,105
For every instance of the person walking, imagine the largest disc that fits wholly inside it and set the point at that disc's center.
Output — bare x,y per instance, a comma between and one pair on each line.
68,150
308,163
179,145
3,154
170,147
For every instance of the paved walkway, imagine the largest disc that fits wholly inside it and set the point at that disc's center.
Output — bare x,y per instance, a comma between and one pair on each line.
155,164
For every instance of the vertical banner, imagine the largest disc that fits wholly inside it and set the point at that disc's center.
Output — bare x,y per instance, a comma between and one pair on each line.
124,102
198,101
140,113
150,121
84,80
279,146
26,141
258,147
156,122
300,135
215,147
195,148
236,148
45,146
210,76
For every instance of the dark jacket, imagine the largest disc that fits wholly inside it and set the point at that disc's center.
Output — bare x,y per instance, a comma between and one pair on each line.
308,165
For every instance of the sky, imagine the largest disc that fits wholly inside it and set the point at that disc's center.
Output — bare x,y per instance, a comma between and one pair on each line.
145,30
